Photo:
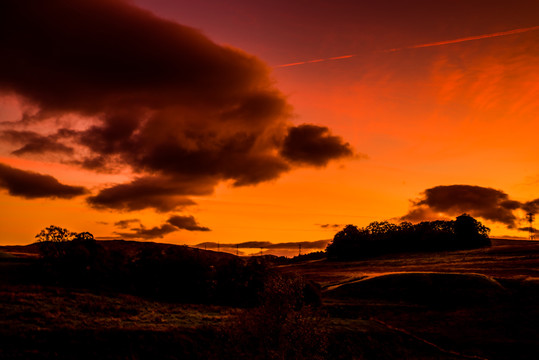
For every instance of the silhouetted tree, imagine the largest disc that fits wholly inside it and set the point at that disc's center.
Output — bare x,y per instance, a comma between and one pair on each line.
346,243
54,233
50,241
84,236
470,233
75,259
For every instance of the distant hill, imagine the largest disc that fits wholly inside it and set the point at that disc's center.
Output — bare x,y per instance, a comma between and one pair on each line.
127,247
22,251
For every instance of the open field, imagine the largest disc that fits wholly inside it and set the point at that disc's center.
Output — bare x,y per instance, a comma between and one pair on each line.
507,259
471,304
48,322
476,304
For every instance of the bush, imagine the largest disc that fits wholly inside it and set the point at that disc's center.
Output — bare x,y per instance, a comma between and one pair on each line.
287,325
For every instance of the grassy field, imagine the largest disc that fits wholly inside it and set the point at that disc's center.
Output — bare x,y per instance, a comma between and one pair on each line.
508,259
470,304
477,304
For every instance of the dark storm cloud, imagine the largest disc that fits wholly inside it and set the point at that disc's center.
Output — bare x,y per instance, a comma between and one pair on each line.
487,203
161,193
313,145
31,185
107,54
159,99
144,233
186,223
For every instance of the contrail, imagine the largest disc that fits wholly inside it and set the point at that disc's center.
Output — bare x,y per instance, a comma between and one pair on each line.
317,60
439,43
470,38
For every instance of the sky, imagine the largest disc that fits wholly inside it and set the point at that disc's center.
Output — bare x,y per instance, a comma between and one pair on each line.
272,121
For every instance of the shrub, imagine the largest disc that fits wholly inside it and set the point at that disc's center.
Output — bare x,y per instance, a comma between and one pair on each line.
285,326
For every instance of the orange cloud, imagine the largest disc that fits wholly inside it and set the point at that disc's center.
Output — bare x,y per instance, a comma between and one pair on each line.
179,111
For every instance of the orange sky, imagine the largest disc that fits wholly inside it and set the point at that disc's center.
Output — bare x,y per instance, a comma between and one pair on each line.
456,103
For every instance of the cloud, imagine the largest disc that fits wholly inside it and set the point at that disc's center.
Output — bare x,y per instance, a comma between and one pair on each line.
124,224
161,193
131,58
487,203
158,99
310,245
531,206
148,234
422,213
34,143
186,223
251,244
314,145
528,229
173,224
31,185
330,226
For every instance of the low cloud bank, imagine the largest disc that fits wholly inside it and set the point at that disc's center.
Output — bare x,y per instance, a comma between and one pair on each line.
484,202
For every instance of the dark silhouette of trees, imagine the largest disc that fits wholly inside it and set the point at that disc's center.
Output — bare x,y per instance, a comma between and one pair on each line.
158,271
383,237
51,241
57,243
84,236
54,234
470,232
71,258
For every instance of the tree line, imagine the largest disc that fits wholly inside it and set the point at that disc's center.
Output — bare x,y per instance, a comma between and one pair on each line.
158,271
384,237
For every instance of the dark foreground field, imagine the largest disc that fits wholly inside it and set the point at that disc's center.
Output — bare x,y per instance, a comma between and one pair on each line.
476,304
480,304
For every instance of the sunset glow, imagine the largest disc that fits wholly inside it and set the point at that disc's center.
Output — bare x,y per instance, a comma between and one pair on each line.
190,122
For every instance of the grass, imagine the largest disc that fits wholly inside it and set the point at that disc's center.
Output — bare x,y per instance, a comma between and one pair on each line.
54,323
48,308
477,304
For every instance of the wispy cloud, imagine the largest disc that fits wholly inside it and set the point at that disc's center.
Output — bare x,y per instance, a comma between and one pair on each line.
418,46
310,245
317,60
